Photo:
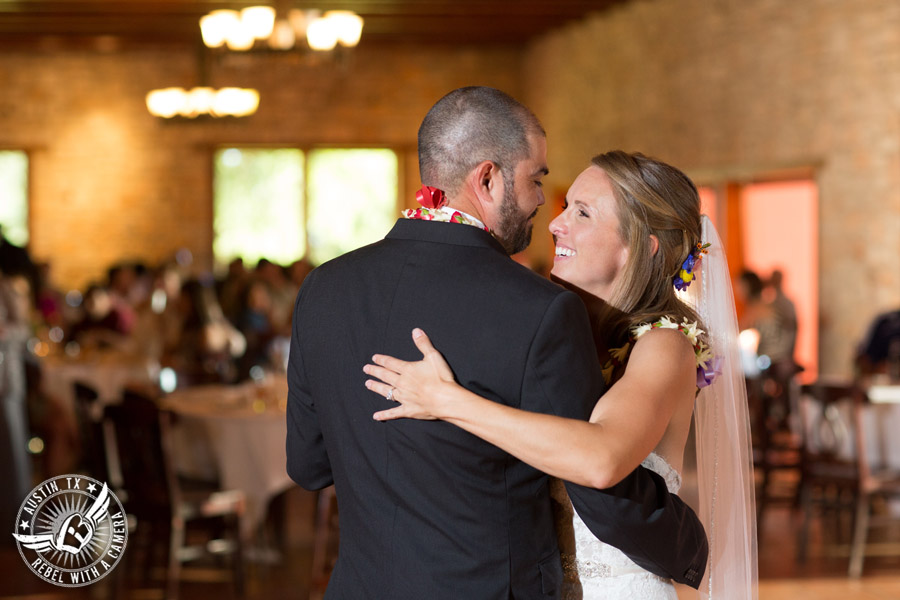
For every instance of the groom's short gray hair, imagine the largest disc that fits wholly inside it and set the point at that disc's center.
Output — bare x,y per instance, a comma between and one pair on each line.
468,126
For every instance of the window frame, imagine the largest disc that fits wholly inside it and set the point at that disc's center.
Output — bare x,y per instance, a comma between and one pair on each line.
29,189
400,154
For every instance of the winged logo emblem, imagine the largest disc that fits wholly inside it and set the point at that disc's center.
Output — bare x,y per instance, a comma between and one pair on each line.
76,531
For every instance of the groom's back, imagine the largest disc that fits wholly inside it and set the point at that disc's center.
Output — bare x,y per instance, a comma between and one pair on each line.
426,509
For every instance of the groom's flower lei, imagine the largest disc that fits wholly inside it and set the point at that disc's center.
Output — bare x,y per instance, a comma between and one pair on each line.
434,208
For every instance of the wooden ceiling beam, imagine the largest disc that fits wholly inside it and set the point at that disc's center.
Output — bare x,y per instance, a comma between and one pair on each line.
457,21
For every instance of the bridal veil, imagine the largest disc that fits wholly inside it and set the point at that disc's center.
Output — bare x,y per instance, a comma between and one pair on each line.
722,433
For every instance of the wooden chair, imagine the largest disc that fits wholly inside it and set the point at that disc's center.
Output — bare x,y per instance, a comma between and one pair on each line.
156,497
830,477
840,474
877,483
777,447
95,440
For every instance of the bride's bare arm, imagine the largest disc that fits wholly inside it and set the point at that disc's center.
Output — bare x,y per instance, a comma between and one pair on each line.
625,426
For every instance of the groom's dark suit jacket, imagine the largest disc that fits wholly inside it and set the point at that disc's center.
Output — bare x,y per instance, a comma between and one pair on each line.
428,511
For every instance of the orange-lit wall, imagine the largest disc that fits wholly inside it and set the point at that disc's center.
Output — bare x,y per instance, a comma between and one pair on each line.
780,232
708,205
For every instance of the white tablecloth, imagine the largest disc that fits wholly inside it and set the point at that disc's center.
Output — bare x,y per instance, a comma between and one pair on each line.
880,419
107,372
239,432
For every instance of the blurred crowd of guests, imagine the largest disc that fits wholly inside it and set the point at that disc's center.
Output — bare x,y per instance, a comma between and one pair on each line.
205,329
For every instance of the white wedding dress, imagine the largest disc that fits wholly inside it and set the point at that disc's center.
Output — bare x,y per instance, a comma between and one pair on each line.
594,570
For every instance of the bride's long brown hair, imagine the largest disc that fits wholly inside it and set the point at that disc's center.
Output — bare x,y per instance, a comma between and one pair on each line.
652,198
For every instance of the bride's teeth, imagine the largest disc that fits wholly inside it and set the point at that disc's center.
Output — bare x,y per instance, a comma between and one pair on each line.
560,251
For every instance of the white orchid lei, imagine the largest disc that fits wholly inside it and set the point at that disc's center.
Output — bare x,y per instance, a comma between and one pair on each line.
708,366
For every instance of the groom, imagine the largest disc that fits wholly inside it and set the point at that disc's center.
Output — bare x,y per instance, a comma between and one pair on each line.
428,510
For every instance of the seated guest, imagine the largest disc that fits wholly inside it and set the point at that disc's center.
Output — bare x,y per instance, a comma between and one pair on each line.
103,324
49,300
231,289
879,351
16,260
125,290
281,293
157,332
209,344
256,325
297,272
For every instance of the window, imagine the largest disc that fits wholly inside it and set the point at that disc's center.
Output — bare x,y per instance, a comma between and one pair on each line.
14,196
284,204
352,200
258,205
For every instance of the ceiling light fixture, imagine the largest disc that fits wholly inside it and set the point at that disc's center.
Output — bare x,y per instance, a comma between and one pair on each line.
202,101
258,25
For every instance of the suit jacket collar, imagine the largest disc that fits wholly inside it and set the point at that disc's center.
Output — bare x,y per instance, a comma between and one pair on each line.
443,233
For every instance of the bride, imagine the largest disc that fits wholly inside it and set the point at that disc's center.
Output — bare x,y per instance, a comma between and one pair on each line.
632,241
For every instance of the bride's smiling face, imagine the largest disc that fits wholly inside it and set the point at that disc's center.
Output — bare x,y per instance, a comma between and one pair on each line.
590,253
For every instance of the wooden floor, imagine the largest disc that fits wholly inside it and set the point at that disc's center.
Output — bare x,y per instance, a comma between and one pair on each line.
822,577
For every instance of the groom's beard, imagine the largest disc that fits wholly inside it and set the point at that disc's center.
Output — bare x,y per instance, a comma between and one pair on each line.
514,228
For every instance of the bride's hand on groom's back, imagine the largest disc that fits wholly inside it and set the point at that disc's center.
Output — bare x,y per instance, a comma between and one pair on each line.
421,388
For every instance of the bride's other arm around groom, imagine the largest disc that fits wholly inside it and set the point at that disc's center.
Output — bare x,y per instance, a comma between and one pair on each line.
427,509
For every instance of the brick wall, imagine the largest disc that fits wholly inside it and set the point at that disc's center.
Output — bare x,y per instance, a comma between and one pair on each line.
747,86
713,86
111,182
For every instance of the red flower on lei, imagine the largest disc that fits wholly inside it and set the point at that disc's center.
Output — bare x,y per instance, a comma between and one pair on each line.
433,200
431,197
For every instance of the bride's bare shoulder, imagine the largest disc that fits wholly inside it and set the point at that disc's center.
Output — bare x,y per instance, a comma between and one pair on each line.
661,346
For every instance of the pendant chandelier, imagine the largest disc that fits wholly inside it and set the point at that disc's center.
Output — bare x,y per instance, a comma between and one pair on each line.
257,26
247,29
202,101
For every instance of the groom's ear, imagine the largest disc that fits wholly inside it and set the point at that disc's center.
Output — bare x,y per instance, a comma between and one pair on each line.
487,182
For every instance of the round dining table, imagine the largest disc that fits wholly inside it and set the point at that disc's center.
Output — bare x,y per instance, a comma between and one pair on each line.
236,433
108,372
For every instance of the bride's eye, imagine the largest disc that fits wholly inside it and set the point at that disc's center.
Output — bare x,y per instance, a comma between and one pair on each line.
565,204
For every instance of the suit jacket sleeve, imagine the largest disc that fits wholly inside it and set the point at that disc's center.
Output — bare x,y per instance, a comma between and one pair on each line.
307,458
639,516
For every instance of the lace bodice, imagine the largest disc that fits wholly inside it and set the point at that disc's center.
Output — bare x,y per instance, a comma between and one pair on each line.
597,571
660,466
